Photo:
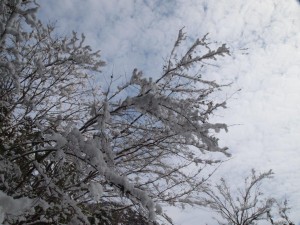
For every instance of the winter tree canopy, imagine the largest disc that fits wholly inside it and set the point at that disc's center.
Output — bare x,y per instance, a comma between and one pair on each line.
68,144
247,205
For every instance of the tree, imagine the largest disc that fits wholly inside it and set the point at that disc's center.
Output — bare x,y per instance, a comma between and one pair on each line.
280,216
245,206
118,215
67,144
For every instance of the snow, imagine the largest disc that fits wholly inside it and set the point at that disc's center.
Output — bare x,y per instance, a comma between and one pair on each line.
13,207
96,191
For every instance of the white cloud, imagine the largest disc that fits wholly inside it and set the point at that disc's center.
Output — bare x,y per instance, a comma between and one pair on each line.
140,33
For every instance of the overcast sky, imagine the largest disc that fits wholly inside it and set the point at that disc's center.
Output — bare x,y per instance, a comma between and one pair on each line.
264,38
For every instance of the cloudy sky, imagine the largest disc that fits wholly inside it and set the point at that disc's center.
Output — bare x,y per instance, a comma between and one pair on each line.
264,38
